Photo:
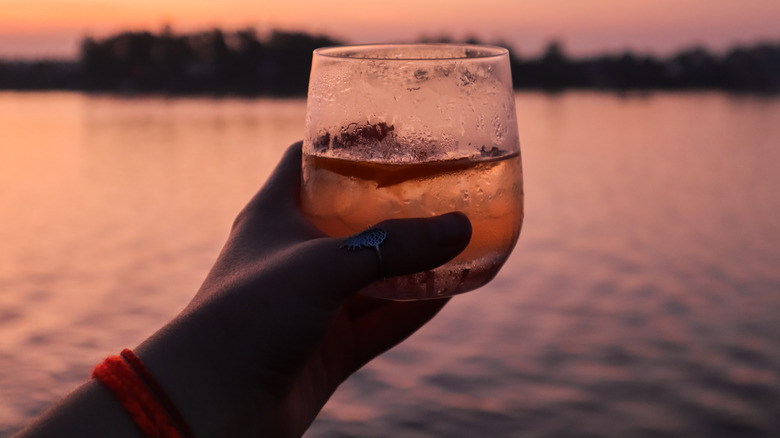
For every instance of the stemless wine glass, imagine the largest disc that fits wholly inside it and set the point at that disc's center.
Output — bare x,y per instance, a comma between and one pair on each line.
415,130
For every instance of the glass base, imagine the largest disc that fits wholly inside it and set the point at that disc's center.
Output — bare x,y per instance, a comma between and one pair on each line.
450,279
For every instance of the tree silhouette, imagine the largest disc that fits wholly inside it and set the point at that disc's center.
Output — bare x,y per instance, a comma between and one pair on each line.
243,63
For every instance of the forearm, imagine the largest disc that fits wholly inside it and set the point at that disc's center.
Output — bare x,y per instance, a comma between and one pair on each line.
89,411
179,357
92,410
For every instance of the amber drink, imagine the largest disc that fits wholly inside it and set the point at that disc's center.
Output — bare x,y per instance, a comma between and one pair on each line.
397,131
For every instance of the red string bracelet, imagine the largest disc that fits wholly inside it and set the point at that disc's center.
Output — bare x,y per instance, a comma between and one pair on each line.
178,419
135,395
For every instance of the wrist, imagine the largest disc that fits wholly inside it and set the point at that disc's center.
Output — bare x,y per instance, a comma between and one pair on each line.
194,376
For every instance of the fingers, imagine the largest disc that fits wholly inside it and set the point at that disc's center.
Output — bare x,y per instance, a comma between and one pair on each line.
415,245
272,219
284,184
272,223
412,245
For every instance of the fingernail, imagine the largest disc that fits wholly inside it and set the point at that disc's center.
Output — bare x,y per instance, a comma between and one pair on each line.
450,229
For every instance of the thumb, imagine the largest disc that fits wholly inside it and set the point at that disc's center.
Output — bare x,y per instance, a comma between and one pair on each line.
411,245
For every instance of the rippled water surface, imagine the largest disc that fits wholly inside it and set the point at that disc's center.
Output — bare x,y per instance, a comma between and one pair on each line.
643,298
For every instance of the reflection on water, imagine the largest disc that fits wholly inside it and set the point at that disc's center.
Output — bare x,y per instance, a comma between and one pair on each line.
642,298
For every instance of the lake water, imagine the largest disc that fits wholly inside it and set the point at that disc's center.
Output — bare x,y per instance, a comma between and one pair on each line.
642,300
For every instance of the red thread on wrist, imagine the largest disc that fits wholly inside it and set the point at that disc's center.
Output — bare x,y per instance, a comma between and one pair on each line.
135,397
162,396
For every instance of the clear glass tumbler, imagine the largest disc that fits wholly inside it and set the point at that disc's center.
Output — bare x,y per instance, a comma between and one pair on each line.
415,130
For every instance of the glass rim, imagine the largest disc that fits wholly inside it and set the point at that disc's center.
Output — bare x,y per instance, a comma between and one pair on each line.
352,52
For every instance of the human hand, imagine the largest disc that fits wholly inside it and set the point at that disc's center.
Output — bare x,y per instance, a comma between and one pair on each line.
277,326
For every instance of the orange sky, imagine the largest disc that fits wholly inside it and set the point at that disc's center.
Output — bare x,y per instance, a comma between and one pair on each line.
33,28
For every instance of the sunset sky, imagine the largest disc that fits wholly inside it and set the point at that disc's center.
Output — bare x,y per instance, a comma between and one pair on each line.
39,28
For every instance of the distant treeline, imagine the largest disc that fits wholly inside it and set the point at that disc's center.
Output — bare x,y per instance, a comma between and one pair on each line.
241,62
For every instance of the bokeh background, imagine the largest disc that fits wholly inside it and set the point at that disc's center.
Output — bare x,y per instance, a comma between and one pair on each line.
642,299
